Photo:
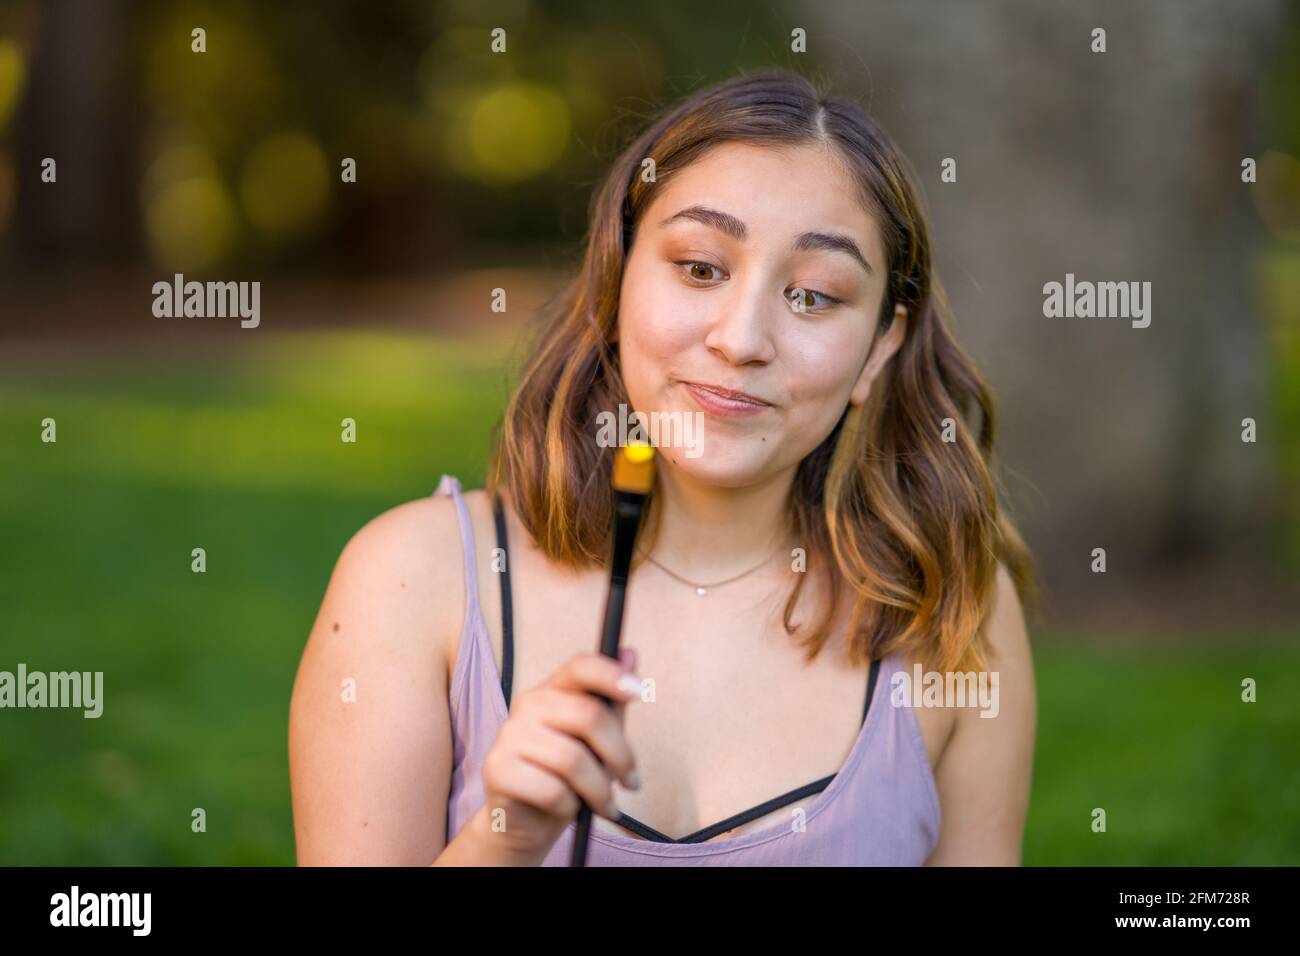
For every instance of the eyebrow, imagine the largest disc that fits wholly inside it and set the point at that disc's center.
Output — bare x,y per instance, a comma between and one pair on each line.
726,222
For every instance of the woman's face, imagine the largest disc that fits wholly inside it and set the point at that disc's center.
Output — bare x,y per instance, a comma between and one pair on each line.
720,263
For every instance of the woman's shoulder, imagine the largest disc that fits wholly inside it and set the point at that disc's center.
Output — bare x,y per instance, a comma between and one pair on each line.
402,573
413,542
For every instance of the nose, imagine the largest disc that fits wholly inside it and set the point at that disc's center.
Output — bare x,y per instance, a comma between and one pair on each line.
741,330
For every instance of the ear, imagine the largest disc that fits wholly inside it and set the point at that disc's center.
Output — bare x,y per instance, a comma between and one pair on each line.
881,353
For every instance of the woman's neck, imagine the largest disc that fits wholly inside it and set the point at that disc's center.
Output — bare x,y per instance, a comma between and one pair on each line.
706,532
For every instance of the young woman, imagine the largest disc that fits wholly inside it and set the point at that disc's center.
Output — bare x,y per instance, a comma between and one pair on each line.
836,527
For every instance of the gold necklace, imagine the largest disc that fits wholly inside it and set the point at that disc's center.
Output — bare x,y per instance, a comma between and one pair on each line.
703,589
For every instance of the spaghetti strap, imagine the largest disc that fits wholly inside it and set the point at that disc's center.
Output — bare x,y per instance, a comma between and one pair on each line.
507,611
475,623
450,485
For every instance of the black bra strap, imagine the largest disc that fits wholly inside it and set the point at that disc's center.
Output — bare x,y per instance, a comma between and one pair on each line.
871,686
753,813
709,832
507,613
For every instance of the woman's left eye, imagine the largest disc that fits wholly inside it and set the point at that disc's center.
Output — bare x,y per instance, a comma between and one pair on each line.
803,299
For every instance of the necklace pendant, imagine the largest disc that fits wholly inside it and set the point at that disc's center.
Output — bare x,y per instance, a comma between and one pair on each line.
701,592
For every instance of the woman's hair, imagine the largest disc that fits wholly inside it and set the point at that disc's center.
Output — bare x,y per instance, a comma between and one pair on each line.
910,521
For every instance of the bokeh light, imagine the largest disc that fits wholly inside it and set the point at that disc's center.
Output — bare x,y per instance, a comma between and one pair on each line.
509,134
190,216
285,185
12,73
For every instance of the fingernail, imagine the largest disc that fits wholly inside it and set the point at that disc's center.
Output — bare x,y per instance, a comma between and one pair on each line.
630,684
633,779
612,811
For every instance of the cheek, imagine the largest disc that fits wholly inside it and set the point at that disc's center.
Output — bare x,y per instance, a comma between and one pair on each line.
823,369
655,319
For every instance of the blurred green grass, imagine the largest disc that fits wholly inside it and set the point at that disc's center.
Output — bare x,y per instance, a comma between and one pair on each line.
239,453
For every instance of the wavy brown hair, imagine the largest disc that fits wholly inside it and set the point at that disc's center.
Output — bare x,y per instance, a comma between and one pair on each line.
907,524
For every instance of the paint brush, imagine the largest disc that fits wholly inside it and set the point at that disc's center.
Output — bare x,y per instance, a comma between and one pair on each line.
632,481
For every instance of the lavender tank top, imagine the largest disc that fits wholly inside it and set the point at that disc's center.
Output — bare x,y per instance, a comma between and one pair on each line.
880,809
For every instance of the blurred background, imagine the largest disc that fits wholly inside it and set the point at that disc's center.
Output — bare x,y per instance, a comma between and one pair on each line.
473,171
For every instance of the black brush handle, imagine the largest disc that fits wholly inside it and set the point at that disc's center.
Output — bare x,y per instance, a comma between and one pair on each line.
628,508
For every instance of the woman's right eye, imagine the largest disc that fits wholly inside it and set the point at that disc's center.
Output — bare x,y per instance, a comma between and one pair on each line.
693,265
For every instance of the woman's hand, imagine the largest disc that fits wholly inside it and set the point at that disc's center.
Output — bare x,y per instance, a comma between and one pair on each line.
559,747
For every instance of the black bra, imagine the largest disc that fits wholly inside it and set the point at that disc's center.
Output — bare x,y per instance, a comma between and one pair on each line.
625,821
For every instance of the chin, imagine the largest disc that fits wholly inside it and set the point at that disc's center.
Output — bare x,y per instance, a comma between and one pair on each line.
720,463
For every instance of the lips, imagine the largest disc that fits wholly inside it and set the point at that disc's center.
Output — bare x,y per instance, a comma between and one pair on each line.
730,394
719,402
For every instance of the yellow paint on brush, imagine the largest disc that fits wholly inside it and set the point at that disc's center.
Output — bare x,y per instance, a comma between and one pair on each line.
634,468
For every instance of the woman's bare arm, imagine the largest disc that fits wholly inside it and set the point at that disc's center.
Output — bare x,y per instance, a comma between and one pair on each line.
370,760
984,774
